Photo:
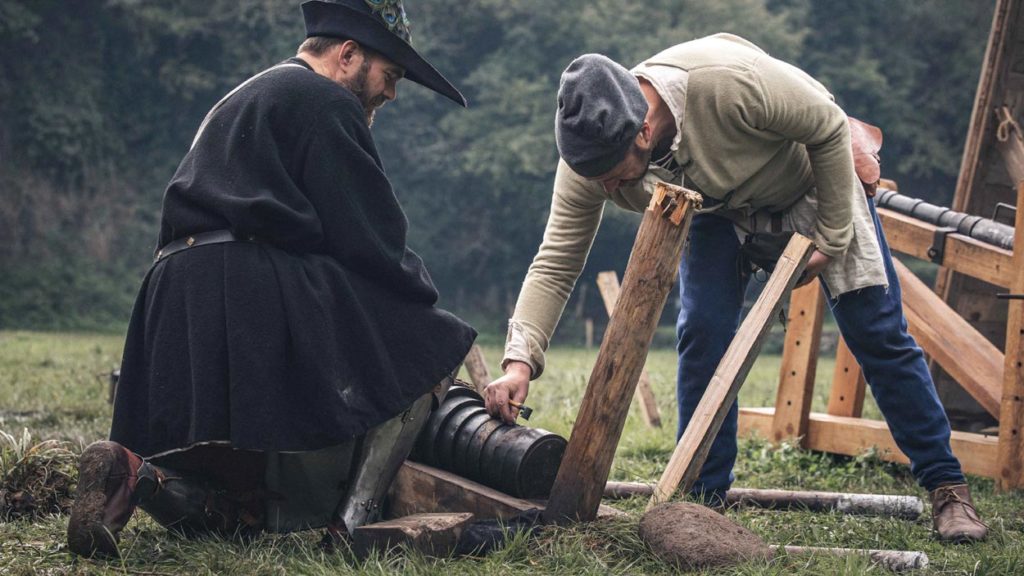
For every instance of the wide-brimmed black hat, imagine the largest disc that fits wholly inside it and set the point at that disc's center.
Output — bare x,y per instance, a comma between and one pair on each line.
382,26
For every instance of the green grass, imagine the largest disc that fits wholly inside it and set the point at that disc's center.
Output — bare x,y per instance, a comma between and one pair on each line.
55,385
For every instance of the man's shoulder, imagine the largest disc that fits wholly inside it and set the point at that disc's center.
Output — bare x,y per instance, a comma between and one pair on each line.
721,50
292,87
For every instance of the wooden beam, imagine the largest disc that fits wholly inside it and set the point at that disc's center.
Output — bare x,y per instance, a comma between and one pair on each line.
650,275
419,488
913,237
854,436
951,341
692,449
433,534
476,365
1011,413
608,284
848,384
799,362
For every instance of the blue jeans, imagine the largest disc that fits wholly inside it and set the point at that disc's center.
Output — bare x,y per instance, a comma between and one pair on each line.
711,289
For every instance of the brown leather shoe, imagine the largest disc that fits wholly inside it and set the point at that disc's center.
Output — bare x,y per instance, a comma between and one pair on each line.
953,515
107,475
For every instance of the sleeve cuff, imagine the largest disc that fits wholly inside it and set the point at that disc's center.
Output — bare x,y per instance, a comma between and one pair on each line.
520,347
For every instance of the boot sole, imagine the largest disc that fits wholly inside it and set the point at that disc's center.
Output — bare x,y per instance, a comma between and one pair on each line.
87,534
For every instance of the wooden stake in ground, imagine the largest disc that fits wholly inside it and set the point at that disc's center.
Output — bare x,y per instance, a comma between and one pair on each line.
650,275
1011,414
477,368
693,447
608,284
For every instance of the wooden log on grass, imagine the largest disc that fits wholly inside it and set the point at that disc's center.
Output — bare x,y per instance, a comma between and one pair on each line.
895,506
895,560
650,275
692,449
608,284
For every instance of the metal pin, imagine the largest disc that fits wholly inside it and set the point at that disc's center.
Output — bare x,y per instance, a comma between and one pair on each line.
524,411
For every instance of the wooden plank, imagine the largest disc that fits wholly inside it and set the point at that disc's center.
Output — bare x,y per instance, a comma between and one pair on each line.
432,534
1011,414
419,488
608,285
650,275
848,384
951,341
854,436
799,362
476,365
913,237
692,449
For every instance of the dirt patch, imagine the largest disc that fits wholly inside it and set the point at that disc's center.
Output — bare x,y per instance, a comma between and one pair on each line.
692,537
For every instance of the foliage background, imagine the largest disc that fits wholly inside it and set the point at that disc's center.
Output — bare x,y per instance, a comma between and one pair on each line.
99,100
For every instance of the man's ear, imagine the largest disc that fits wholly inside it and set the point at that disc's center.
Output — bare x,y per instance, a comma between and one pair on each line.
643,137
348,54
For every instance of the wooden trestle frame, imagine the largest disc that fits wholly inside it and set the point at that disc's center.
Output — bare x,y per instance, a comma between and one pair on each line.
994,378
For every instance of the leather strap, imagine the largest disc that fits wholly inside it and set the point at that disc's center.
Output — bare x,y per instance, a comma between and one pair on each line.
196,240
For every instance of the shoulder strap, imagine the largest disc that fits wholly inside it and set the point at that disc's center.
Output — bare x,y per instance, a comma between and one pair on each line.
221,102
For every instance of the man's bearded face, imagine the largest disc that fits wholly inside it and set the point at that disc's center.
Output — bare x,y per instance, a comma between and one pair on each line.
371,84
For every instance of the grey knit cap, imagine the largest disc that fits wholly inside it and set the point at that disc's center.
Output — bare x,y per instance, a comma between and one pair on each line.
600,111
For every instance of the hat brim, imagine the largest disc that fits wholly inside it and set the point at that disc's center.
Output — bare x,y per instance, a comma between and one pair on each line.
369,32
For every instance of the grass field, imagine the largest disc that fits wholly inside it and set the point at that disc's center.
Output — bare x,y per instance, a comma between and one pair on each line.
54,386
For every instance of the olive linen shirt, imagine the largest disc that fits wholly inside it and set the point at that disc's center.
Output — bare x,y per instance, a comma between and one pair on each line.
756,134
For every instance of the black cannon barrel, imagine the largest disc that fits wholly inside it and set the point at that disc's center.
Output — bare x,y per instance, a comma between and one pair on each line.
981,229
461,437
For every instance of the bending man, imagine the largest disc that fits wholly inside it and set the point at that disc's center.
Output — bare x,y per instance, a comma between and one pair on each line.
769,150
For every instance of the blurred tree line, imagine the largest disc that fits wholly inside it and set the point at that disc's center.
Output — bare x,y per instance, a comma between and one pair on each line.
99,99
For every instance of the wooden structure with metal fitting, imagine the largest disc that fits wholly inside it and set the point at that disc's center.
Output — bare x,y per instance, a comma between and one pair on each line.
958,326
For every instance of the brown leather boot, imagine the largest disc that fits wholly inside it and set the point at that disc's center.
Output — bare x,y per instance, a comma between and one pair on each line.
107,475
953,515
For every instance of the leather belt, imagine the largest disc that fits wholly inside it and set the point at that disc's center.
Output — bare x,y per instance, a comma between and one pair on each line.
202,239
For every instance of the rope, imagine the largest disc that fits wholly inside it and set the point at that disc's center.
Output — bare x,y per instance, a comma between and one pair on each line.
1006,124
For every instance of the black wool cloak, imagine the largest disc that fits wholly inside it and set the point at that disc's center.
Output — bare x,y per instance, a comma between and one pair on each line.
324,327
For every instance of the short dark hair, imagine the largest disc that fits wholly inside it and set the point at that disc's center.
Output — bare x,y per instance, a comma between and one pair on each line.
318,45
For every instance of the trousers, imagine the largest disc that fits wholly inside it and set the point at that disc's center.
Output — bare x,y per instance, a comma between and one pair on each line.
713,278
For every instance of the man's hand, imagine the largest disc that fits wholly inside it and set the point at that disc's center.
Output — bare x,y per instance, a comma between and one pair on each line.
514,385
814,267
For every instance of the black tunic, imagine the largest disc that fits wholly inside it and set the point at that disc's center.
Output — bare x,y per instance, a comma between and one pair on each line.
324,327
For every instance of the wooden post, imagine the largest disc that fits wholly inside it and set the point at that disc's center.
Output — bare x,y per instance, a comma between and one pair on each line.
799,362
650,275
608,285
1011,413
848,384
476,365
974,362
693,447
588,329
